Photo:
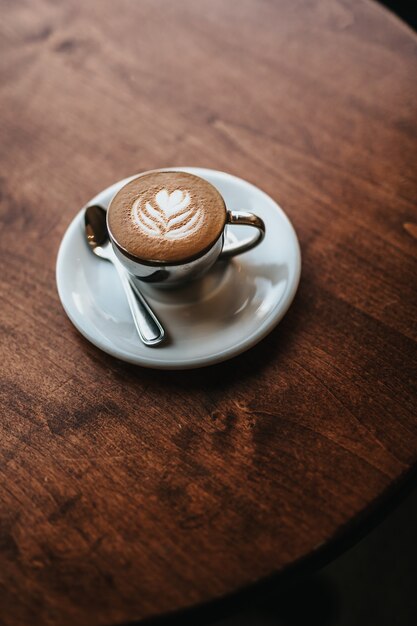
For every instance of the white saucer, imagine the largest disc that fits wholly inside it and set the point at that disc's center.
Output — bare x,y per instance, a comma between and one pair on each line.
213,319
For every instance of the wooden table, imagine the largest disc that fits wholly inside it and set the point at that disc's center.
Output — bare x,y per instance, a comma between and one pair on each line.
127,493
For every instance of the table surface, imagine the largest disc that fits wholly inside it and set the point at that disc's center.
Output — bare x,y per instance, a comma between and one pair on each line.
127,493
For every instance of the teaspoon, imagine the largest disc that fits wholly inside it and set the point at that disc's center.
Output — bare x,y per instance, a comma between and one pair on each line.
147,325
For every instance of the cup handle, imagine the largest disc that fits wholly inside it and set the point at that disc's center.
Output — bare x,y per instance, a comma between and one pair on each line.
243,218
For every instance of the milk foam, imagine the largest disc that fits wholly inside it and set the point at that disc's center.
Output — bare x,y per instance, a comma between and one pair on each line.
168,216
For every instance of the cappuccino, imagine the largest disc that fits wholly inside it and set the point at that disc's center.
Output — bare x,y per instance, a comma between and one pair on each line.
166,217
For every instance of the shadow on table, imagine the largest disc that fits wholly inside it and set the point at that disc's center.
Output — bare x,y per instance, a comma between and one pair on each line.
405,9
372,584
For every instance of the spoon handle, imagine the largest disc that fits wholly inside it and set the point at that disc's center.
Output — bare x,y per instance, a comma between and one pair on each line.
147,325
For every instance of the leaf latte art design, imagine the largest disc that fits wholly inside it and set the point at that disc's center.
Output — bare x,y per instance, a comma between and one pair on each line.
170,216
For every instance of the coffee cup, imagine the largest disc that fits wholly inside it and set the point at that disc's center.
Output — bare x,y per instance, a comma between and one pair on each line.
168,227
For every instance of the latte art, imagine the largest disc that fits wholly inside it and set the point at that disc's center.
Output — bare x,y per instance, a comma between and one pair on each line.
170,215
166,217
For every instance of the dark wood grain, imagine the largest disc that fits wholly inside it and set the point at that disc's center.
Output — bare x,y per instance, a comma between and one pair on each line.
127,493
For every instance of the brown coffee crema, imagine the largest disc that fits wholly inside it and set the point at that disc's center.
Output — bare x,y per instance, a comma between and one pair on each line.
166,217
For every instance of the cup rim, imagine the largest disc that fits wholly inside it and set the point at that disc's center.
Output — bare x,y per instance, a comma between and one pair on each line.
156,262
